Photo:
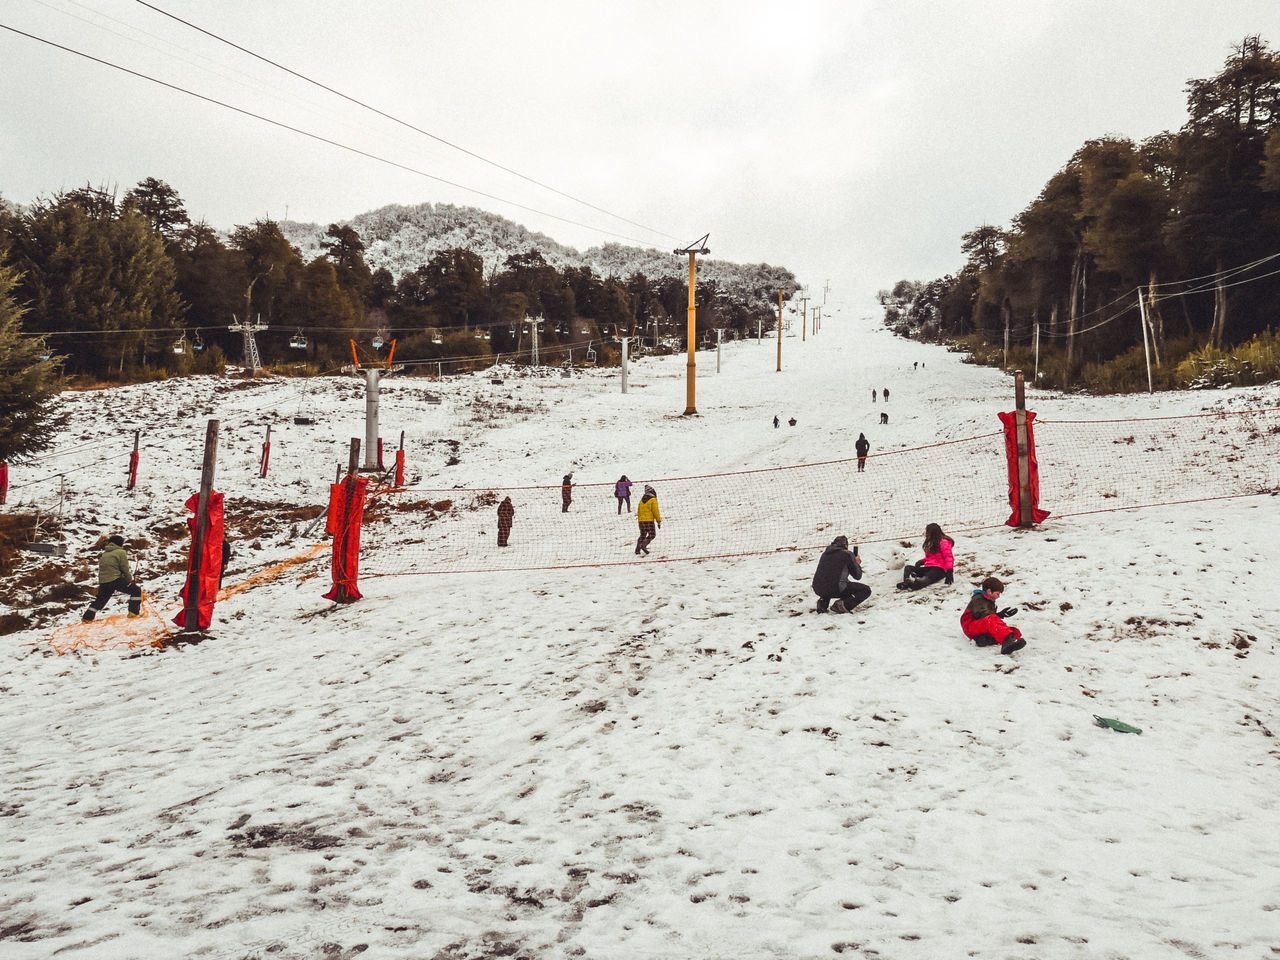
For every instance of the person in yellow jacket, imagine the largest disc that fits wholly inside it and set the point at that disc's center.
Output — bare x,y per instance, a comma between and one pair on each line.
650,520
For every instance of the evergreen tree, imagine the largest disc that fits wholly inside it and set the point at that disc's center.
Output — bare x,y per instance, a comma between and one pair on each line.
29,384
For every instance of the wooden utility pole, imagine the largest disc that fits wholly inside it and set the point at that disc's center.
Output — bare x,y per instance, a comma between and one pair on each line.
804,316
191,618
698,246
779,331
1024,459
1146,350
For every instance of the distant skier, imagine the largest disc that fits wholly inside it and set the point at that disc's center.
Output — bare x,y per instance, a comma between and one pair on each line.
984,625
650,519
113,576
775,421
886,394
873,394
226,558
884,417
791,422
506,513
863,446
831,581
916,365
566,492
938,562
622,490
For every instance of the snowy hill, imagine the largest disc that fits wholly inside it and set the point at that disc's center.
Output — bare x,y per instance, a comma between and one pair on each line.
402,238
658,760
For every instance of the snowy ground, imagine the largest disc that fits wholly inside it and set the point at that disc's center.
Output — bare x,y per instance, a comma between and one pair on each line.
669,760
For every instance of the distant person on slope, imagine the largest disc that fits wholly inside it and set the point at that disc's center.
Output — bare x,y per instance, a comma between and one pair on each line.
831,581
984,625
566,492
863,446
938,562
113,576
622,490
226,558
886,394
650,519
506,513
873,394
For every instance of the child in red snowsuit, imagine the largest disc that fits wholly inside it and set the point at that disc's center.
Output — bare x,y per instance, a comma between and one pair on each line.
984,625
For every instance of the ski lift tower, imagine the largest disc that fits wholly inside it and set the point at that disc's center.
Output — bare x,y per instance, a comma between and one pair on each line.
252,361
372,379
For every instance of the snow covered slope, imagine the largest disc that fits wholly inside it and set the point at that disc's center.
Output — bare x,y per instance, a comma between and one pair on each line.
662,760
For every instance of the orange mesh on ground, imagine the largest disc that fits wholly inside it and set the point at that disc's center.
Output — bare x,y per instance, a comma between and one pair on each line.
152,629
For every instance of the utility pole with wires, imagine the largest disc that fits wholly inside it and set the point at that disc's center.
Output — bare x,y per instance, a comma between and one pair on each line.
624,340
372,379
804,316
825,287
779,331
695,248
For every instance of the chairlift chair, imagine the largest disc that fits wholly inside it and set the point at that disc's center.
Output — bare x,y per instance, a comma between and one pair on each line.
180,345
198,343
298,341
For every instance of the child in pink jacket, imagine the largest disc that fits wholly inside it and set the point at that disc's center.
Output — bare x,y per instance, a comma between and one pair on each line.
938,563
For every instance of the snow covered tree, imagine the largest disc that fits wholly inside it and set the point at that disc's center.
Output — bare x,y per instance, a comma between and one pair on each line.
29,383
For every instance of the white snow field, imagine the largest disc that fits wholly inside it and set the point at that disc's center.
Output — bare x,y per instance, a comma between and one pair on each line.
659,760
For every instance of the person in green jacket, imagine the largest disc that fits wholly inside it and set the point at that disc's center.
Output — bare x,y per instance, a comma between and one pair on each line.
113,575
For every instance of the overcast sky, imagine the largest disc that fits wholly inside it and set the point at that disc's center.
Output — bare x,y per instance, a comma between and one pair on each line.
853,140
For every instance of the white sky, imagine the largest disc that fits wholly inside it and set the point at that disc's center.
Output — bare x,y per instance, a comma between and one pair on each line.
849,139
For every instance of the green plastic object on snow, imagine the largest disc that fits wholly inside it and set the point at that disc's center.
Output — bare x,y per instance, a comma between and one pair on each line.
1118,725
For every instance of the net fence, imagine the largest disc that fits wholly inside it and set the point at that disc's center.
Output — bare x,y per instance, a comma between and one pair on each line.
1085,467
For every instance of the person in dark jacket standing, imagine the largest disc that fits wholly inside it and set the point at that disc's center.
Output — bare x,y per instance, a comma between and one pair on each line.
566,492
622,491
506,512
226,558
831,581
863,446
873,394
886,394
113,576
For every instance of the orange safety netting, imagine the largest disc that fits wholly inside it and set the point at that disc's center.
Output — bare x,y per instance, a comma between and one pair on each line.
119,632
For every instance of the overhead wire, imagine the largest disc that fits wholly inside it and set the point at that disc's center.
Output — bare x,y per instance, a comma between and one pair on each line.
403,123
317,137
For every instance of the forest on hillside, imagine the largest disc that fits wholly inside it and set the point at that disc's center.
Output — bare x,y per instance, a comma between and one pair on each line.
131,288
1165,250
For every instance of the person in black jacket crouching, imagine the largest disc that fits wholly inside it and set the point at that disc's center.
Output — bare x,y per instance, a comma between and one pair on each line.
832,580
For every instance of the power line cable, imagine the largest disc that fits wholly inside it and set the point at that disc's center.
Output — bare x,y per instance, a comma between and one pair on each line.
403,123
315,136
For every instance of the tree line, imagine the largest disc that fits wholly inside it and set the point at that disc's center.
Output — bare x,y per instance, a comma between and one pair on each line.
1188,218
131,287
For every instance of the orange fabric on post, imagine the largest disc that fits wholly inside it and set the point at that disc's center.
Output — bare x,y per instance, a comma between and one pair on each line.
1033,469
346,512
210,561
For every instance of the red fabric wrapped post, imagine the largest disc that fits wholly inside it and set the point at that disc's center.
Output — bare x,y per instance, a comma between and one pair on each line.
266,457
4,482
335,505
133,469
400,468
1033,469
210,561
346,506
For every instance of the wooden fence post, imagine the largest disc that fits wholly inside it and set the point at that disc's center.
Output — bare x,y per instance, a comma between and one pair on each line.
191,619
1025,518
